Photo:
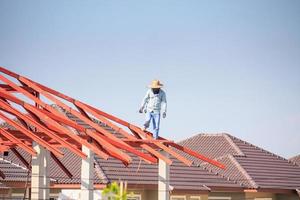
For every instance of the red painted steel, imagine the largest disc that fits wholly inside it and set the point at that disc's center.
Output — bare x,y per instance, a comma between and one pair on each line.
31,135
41,128
20,157
41,114
97,137
59,163
197,155
115,152
113,126
17,141
57,130
2,175
56,126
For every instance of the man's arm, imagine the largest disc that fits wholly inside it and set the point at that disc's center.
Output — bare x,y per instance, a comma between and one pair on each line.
164,104
144,102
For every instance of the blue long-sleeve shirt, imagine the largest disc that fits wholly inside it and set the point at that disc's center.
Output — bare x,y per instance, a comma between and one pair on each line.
155,102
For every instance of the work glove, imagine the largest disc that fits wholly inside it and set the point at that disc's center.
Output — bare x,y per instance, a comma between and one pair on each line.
164,114
141,110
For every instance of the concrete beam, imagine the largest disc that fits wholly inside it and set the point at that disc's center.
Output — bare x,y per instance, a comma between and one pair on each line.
163,179
40,181
87,175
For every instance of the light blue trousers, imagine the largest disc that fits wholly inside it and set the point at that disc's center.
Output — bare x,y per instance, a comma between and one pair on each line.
155,118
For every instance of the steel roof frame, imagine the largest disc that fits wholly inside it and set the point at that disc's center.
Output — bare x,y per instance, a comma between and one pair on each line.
54,130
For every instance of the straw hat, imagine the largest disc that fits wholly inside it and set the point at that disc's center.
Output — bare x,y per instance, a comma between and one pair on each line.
156,84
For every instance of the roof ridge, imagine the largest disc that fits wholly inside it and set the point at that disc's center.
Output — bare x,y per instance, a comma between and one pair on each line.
12,163
100,173
196,135
297,156
212,134
67,113
261,149
294,159
219,158
238,166
226,136
243,171
202,134
294,163
210,170
234,146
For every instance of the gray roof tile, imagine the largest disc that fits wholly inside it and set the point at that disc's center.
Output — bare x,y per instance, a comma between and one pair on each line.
295,160
247,164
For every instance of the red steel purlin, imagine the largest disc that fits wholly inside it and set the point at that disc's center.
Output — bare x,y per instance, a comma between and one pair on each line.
52,129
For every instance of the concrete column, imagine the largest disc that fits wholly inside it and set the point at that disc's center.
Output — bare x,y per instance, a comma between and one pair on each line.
163,179
87,175
40,181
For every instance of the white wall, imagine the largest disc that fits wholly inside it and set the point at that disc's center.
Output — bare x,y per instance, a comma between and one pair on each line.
69,194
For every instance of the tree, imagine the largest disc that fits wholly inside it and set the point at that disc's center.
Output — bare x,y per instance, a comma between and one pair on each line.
115,192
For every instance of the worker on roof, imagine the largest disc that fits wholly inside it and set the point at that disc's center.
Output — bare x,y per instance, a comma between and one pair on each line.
153,104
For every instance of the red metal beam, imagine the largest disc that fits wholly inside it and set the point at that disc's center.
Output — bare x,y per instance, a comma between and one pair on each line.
113,126
10,97
184,149
20,157
150,141
53,123
2,175
109,116
197,155
24,138
122,144
7,96
113,150
61,165
126,124
18,142
10,73
4,147
76,114
59,128
101,136
190,152
67,122
7,143
10,89
162,146
21,90
31,135
21,120
26,119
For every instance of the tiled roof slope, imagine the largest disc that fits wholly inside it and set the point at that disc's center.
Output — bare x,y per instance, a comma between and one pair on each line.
247,164
266,169
141,173
295,160
181,176
233,171
3,186
14,170
209,142
138,172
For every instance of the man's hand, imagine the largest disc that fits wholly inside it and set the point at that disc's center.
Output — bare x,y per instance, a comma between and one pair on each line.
141,110
164,115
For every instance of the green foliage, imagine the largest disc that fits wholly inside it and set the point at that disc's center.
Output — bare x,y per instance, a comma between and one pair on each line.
113,192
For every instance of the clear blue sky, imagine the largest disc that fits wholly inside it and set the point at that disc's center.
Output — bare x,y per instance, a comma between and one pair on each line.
227,66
